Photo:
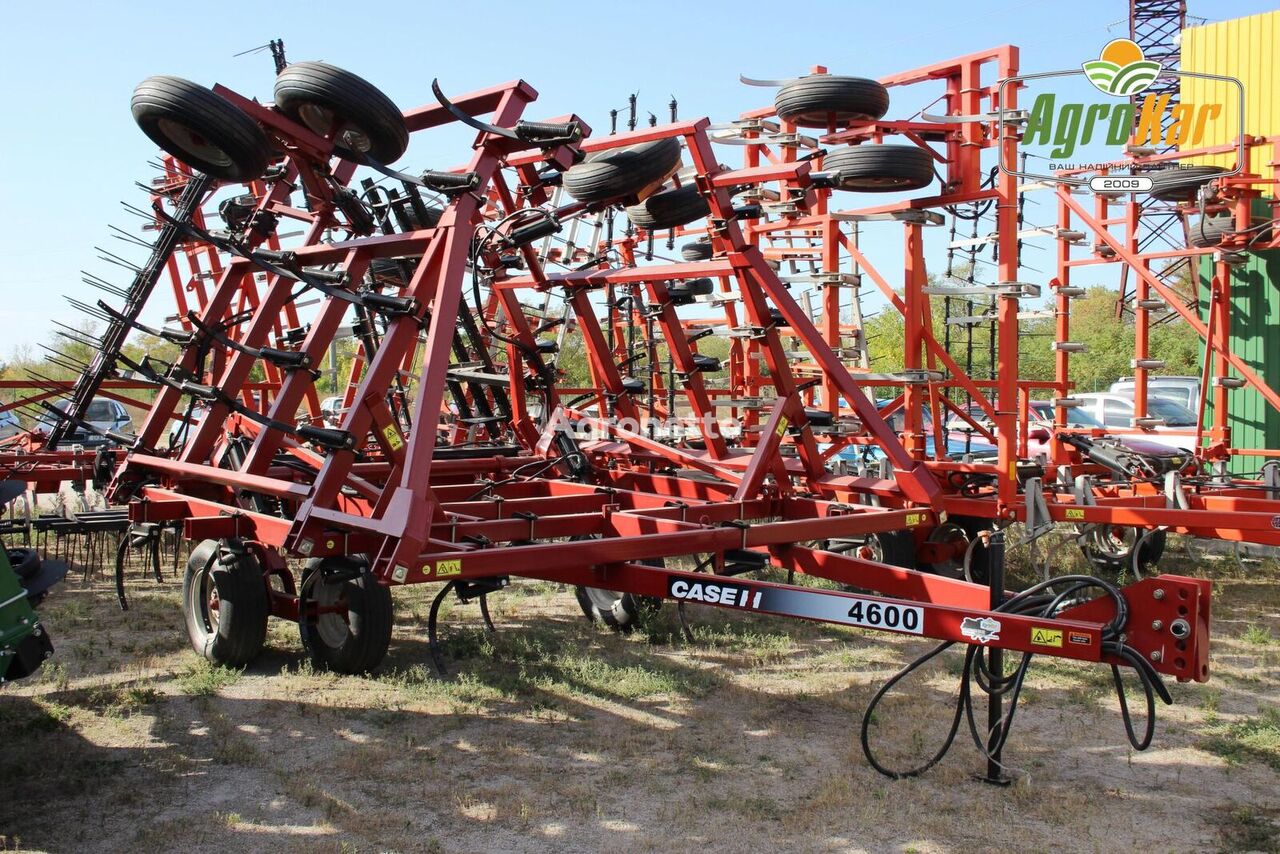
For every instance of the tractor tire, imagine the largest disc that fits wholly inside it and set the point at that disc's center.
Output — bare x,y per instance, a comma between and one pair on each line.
319,96
896,548
1180,184
669,209
225,604
1212,230
880,168
619,611
1110,548
202,129
617,173
821,99
358,642
698,250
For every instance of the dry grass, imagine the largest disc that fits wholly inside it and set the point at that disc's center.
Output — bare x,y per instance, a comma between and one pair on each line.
554,735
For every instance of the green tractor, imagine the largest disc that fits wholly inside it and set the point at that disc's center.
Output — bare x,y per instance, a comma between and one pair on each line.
25,580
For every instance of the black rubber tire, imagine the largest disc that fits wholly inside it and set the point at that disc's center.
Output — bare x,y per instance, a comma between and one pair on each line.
816,100
1180,184
616,173
896,548
698,250
433,217
1212,230
359,643
233,636
1120,560
669,209
619,611
202,129
880,168
316,94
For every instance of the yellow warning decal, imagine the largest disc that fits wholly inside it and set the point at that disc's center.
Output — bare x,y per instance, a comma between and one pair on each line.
446,568
392,435
1046,637
1013,471
1075,514
914,519
782,426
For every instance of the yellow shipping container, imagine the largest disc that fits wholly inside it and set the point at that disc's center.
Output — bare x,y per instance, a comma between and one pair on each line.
1244,48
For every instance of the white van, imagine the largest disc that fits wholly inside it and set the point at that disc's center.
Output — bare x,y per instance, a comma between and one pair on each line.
1183,390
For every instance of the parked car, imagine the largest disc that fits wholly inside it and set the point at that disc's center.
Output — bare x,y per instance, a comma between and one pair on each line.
331,410
9,426
1183,390
959,442
103,413
1116,411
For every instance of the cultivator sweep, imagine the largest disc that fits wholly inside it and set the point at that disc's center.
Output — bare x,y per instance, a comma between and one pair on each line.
462,455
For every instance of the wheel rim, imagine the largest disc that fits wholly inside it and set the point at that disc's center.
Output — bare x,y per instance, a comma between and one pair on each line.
331,627
872,549
603,599
321,120
878,182
1114,541
208,604
193,143
949,533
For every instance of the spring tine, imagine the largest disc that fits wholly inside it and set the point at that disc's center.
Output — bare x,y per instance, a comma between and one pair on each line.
121,234
74,339
107,289
62,360
85,308
112,258
139,212
104,285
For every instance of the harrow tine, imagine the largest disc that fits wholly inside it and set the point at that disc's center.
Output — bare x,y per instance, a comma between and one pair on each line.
121,234
112,258
61,359
85,308
138,212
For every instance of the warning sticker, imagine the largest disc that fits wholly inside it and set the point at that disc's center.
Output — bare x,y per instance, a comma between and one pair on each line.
914,519
1046,637
782,425
1080,638
1075,514
392,435
446,568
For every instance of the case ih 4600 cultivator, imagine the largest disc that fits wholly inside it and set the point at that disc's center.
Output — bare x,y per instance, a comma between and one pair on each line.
461,458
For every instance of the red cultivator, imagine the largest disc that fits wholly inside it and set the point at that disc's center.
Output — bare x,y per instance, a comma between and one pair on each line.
459,457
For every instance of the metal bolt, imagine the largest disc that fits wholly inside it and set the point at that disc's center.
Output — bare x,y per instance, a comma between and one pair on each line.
1155,655
1158,593
1157,625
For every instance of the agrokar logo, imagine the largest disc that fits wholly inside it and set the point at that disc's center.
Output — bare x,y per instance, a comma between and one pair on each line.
1059,125
1121,70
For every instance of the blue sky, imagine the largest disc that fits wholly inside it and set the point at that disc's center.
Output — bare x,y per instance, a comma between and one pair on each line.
71,151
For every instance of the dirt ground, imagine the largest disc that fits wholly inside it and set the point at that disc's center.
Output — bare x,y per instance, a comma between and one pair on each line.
553,734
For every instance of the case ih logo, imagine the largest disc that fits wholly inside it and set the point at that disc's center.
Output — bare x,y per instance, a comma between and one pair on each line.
1063,132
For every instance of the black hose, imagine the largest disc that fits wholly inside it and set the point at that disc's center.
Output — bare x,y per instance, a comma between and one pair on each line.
1037,600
